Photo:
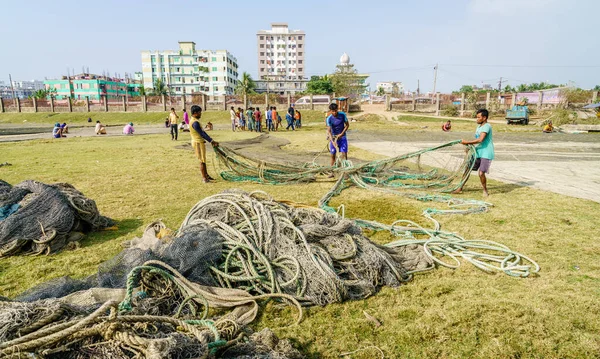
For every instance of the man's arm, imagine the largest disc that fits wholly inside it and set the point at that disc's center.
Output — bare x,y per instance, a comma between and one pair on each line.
346,125
475,141
204,135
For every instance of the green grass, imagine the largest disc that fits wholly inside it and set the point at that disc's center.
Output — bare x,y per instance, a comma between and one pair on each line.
440,314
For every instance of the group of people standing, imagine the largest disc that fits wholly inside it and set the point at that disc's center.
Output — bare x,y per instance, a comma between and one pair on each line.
252,119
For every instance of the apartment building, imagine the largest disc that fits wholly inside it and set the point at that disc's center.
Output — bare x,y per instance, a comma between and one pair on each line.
391,87
281,57
189,70
95,87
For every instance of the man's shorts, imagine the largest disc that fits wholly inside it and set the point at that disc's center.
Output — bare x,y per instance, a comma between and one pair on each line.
482,165
200,151
342,145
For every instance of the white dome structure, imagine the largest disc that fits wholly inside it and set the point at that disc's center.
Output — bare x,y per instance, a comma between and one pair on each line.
345,60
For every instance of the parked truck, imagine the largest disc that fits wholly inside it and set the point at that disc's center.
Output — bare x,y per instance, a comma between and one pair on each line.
517,114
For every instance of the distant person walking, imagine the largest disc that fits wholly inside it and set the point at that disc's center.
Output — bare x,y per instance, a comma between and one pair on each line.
276,118
174,122
233,118
199,137
290,121
484,145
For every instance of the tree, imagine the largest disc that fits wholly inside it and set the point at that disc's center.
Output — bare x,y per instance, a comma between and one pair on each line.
319,85
246,85
597,88
509,88
347,82
159,88
466,89
380,91
142,90
43,94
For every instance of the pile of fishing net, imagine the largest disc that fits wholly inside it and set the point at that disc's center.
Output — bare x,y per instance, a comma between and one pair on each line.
441,169
38,218
231,251
193,292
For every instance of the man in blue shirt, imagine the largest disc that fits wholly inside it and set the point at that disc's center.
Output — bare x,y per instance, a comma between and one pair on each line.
337,125
484,145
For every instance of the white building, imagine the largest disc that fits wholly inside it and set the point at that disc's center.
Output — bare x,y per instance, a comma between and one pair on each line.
281,57
29,85
391,87
188,70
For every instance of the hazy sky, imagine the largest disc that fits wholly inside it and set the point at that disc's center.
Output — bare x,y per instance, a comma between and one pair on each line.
533,40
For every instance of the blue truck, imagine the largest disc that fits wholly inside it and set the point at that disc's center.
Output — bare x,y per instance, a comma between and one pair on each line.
517,114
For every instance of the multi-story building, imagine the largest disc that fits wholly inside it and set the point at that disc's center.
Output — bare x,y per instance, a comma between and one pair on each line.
188,70
20,89
79,87
391,87
281,54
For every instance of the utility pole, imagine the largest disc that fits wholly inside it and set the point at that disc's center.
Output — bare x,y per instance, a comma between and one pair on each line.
418,87
435,79
500,84
12,87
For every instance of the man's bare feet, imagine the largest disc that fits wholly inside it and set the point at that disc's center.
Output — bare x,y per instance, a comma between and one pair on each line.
485,194
457,191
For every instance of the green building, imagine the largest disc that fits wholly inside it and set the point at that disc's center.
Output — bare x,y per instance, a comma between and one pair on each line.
80,86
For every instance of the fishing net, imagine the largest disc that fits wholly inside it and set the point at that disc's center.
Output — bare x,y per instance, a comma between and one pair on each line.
38,218
441,170
193,292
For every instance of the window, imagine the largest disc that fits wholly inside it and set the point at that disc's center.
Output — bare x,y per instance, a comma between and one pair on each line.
262,37
215,78
299,61
299,46
299,37
177,69
262,46
262,61
214,59
299,54
262,54
272,46
177,88
214,69
300,69
223,58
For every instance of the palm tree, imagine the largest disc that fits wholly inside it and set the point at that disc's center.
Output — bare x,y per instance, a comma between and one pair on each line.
246,85
159,88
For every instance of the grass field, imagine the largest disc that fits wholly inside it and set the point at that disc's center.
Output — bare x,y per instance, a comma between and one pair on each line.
440,314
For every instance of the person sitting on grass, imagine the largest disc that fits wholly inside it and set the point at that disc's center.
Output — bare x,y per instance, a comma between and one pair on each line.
128,129
484,147
100,129
337,125
57,131
447,126
65,128
548,128
209,126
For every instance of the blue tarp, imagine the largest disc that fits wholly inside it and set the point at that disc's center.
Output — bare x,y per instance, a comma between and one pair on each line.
593,105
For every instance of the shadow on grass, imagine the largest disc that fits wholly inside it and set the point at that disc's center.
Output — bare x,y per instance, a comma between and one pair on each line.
124,226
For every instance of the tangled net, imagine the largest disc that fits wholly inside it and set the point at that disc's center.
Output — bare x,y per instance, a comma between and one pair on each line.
38,218
192,293
442,169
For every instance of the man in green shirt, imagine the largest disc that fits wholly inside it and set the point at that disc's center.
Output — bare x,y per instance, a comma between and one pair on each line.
484,145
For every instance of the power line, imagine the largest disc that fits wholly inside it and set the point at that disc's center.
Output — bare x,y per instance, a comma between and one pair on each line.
524,66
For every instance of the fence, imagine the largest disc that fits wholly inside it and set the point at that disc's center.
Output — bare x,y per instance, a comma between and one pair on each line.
495,102
159,103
